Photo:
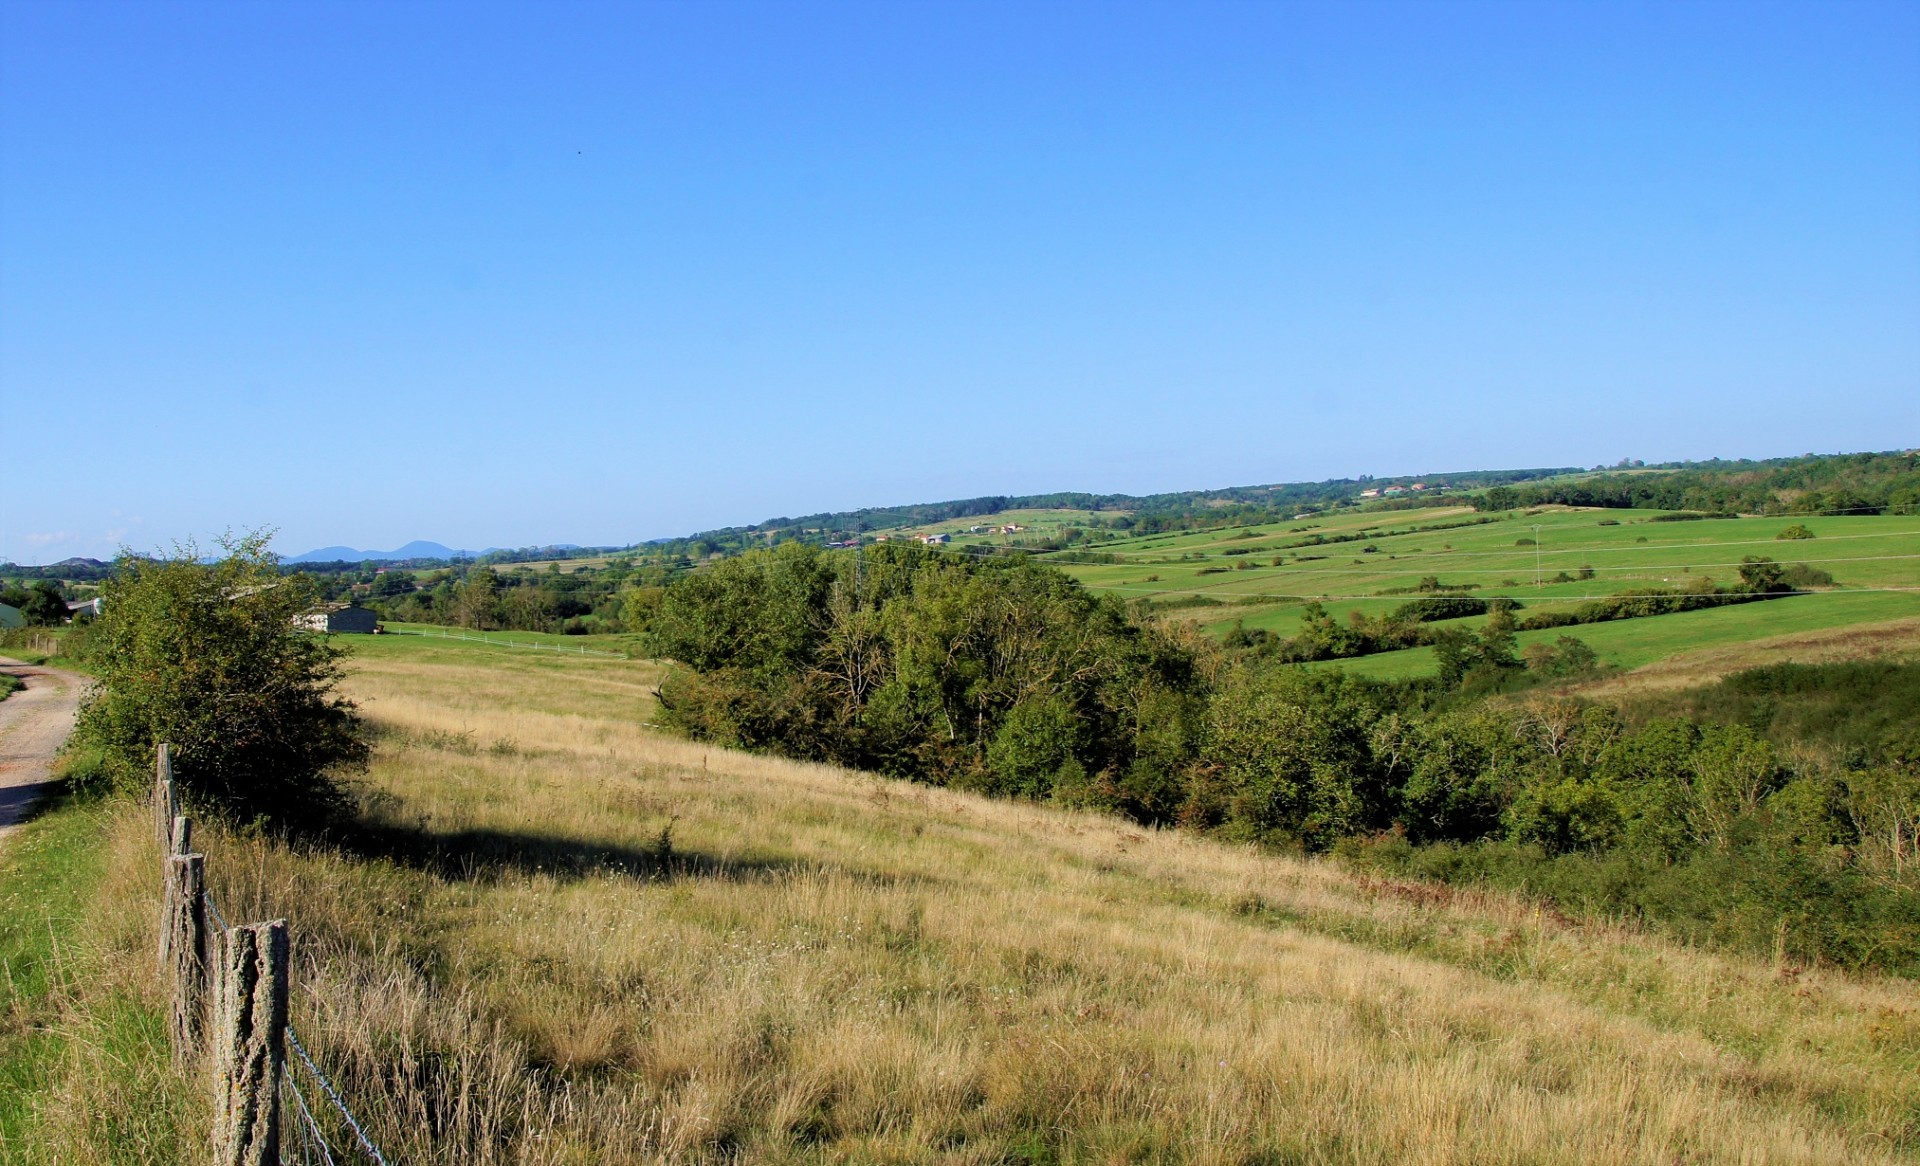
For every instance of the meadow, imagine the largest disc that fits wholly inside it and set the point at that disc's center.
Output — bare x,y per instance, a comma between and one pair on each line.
561,937
1875,562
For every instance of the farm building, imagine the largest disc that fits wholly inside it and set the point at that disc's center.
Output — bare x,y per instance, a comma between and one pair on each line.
936,539
358,620
10,617
80,607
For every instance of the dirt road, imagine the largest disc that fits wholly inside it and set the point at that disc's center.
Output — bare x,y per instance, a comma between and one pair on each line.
33,724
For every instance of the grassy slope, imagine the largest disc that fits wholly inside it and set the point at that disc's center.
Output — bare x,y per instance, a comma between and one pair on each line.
84,1074
822,966
1861,552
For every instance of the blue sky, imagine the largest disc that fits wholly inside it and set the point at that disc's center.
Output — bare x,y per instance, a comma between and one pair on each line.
514,274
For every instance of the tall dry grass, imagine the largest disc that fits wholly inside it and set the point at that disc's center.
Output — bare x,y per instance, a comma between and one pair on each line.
569,939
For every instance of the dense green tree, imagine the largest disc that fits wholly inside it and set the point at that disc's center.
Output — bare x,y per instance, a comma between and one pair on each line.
46,606
1760,573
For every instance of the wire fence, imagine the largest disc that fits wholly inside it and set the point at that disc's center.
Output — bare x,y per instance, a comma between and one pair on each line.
332,1136
309,1143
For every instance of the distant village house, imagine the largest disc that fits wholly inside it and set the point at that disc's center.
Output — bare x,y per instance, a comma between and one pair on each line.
351,620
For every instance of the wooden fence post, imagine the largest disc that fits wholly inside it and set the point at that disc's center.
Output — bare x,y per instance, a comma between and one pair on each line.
183,950
165,801
249,1044
181,844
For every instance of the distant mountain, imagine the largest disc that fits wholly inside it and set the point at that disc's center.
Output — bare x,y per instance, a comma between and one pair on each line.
417,549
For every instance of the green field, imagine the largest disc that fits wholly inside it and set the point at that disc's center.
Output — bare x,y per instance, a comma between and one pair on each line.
461,639
1875,562
1630,643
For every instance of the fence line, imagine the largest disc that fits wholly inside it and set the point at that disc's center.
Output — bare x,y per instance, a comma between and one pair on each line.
582,650
247,993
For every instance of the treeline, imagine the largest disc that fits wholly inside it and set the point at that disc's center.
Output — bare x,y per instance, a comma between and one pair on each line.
75,570
1008,678
1143,514
1864,483
616,598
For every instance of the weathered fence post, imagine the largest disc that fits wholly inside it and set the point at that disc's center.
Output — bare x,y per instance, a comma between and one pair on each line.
183,950
181,836
249,1044
165,801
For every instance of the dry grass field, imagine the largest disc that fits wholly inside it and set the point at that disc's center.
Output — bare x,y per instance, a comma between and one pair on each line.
575,940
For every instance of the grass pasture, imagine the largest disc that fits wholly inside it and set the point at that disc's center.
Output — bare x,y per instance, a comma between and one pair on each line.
567,939
1635,643
1875,562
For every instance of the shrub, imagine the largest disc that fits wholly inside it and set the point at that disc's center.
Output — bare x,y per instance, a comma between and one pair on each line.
1760,573
207,656
1566,657
1799,576
1796,531
1438,607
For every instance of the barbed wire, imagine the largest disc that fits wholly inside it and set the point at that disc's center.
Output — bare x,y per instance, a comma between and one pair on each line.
333,1095
320,1078
311,1127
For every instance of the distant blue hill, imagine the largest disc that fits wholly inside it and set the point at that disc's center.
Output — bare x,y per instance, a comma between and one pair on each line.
417,549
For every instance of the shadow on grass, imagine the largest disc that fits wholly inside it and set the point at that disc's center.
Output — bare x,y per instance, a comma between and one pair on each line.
487,855
18,803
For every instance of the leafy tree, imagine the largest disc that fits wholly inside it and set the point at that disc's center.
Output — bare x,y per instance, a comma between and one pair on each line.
45,605
393,583
207,657
1760,573
1289,758
477,600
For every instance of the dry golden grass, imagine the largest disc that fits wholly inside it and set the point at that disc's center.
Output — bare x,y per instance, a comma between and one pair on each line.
831,967
1890,639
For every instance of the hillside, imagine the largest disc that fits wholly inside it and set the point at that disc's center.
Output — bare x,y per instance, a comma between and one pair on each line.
1258,577
564,937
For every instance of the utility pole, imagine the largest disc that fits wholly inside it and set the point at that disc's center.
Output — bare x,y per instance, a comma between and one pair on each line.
1536,554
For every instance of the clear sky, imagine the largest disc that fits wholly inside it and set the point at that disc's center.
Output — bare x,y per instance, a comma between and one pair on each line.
565,272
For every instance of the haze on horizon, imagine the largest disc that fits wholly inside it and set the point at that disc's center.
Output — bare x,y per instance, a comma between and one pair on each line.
502,274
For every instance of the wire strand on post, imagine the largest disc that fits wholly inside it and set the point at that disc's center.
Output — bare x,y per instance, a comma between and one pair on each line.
333,1095
311,1126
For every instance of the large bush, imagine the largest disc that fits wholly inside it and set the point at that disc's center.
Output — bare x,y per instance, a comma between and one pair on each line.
207,656
1002,676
